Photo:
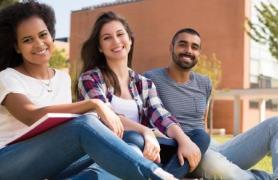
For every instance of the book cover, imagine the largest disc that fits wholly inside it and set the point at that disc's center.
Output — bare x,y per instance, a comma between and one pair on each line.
45,123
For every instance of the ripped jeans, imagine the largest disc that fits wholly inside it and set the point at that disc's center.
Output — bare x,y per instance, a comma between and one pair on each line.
232,159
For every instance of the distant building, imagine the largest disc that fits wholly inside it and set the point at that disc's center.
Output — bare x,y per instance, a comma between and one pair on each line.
63,39
221,25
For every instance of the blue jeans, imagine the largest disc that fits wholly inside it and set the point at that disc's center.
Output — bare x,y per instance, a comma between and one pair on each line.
232,159
200,138
46,155
169,159
86,168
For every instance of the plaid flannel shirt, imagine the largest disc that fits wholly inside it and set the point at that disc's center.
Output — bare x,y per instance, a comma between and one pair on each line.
151,111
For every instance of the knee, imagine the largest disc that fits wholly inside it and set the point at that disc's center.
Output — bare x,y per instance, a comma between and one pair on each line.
272,124
273,120
90,122
87,119
134,138
201,139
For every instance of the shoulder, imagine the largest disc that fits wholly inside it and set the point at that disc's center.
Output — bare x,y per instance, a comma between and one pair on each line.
153,73
10,74
203,82
6,72
92,74
12,81
200,78
141,81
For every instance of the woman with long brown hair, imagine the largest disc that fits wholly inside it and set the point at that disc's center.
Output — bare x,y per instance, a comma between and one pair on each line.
106,75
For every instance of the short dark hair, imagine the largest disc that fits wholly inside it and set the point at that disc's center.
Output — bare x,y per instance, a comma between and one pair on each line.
10,18
185,30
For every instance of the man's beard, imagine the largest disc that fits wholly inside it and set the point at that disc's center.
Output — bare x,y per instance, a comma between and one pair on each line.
184,64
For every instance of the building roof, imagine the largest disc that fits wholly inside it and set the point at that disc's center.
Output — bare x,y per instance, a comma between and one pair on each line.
107,4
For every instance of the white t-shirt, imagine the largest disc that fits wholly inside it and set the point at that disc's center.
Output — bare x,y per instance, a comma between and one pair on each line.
126,107
12,81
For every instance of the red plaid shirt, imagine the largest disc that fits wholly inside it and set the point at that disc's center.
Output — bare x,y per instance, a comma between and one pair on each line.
151,111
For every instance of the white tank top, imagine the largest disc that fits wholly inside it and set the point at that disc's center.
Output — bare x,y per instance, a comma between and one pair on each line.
126,107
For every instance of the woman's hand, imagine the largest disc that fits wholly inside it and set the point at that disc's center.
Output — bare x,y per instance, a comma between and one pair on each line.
151,148
190,151
109,118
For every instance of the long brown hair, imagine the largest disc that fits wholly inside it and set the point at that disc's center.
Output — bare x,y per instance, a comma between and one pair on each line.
92,57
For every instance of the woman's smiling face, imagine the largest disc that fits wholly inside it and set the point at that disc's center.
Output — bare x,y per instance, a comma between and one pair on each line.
34,41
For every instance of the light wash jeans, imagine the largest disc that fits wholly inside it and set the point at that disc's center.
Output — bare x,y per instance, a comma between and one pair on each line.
46,155
232,159
169,159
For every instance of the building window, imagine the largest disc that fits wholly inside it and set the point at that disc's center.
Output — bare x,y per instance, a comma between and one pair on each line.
263,82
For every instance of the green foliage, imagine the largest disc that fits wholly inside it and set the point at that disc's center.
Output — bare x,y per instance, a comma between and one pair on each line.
58,59
211,67
266,31
74,74
5,3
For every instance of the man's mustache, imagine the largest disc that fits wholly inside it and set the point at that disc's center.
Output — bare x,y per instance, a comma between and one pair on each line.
192,57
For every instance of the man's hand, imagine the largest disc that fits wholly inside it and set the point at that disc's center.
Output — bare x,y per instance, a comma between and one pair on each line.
190,151
186,148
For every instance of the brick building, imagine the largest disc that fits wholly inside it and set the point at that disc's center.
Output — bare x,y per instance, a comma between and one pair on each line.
220,23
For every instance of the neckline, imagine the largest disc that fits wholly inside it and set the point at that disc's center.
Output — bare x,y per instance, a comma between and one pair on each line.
30,77
119,98
46,83
169,79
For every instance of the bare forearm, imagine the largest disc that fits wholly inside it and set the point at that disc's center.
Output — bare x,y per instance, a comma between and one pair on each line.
28,113
77,107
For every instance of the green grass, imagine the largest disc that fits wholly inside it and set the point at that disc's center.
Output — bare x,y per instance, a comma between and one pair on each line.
264,164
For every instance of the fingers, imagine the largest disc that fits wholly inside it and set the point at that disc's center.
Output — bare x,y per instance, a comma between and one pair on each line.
181,159
151,151
118,128
158,160
115,125
194,160
193,164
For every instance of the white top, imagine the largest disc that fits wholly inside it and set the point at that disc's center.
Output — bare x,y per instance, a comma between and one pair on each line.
126,107
12,81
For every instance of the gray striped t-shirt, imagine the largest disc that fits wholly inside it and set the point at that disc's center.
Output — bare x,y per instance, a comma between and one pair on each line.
186,101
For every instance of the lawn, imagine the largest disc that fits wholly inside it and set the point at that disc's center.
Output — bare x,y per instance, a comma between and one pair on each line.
264,164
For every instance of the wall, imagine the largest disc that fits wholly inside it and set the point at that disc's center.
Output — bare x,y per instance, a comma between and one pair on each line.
220,23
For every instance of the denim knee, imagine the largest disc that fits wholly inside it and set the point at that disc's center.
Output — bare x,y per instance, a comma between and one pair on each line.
87,120
200,138
134,138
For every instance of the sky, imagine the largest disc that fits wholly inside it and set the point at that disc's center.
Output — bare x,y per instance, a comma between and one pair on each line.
63,10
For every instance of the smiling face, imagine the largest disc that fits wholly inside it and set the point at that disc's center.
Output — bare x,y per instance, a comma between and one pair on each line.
34,41
114,41
186,50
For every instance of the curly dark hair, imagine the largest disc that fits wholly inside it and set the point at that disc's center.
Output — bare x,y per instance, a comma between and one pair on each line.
92,57
10,18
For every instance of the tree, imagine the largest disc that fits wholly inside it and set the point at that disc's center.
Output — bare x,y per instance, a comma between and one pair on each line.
5,3
266,30
58,59
211,67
